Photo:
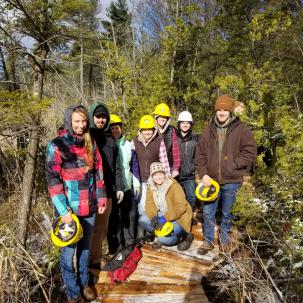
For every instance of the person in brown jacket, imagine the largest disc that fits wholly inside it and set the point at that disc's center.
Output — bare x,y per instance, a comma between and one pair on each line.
165,201
225,152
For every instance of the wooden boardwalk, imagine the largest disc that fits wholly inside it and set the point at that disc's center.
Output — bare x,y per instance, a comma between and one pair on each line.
164,275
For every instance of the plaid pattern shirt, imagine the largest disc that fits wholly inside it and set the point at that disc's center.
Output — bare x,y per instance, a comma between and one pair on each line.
163,158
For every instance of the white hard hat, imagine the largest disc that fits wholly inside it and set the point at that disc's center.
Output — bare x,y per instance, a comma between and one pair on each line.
185,116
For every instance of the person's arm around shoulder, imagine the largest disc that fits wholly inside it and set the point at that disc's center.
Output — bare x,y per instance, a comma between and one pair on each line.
100,185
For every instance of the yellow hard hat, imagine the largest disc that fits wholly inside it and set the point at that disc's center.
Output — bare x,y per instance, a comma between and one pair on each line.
162,109
114,119
146,122
165,230
66,234
208,193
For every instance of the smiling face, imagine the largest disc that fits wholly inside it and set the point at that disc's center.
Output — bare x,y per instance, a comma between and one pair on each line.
100,120
222,116
161,121
147,133
116,130
185,126
79,123
158,178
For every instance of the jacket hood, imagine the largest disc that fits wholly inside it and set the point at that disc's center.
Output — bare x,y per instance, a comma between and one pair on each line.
235,121
92,109
68,117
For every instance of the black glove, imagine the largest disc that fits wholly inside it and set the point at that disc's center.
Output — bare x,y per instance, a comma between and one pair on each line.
154,221
160,222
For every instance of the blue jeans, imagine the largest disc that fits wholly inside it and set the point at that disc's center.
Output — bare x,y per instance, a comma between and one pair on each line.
228,195
75,281
170,240
189,187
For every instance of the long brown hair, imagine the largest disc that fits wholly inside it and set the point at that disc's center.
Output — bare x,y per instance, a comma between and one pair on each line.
88,142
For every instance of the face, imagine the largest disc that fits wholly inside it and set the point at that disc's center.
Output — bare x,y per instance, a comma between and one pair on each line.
222,116
161,121
116,130
79,123
147,133
158,178
100,120
185,126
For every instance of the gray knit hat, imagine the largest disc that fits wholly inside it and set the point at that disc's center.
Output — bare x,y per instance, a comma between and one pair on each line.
156,167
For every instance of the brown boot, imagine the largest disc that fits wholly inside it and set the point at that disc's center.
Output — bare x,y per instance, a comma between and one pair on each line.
89,293
204,248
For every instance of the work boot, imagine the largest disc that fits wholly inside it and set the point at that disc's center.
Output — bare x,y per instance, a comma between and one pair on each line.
157,245
185,244
205,248
79,299
89,293
149,237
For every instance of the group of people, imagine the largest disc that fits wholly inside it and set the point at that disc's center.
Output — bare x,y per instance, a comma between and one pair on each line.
122,191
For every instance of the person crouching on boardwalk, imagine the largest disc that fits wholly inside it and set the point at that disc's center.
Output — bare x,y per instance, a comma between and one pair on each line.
167,207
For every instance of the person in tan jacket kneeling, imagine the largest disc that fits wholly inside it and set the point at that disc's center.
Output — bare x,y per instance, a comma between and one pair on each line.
166,202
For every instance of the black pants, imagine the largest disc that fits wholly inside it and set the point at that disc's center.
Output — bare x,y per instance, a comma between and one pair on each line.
123,222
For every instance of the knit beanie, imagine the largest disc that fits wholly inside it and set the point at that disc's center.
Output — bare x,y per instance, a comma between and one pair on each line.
156,167
224,102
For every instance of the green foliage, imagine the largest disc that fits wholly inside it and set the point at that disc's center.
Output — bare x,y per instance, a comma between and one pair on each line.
19,108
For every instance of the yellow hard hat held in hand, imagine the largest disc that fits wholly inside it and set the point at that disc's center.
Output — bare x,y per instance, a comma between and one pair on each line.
64,234
208,193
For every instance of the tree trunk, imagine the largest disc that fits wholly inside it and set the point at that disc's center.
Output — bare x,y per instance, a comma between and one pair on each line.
28,185
30,161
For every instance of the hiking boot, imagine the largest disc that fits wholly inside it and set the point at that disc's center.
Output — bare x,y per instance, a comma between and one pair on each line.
205,248
149,238
157,245
79,299
89,293
185,244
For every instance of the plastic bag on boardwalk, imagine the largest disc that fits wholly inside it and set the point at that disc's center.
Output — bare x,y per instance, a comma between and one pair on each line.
124,263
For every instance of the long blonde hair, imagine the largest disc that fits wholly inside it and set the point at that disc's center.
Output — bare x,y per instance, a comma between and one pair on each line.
88,142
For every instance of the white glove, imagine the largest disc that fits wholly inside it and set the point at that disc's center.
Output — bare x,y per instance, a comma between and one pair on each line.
137,191
120,196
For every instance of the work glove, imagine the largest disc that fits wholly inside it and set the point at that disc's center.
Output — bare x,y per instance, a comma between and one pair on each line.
120,196
137,192
154,221
160,222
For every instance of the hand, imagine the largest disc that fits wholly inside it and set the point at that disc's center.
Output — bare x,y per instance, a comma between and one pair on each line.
101,210
160,222
120,196
67,219
206,180
175,173
137,192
